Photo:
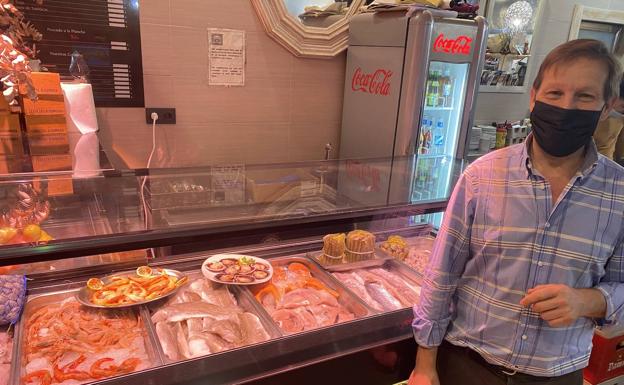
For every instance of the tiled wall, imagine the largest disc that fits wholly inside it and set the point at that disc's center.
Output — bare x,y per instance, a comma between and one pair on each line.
287,110
554,29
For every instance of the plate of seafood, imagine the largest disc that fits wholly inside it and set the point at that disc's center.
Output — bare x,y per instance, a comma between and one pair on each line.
237,269
131,288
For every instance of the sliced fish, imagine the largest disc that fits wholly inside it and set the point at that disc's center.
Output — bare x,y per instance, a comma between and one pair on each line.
183,311
168,340
229,331
357,287
198,346
252,329
181,339
382,296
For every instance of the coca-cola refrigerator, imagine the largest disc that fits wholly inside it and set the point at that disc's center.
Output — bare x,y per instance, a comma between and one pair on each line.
410,89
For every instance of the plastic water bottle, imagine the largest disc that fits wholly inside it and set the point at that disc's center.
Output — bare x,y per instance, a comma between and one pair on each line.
438,138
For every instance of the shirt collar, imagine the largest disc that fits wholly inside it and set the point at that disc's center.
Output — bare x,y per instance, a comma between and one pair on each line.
589,163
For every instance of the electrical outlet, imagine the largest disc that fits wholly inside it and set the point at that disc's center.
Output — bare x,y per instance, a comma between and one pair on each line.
165,115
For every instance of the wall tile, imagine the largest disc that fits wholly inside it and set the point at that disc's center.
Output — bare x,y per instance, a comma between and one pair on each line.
260,100
156,49
552,34
189,53
307,140
617,5
561,10
155,11
235,14
158,90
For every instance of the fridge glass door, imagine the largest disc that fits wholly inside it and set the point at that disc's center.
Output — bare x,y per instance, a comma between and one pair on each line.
436,163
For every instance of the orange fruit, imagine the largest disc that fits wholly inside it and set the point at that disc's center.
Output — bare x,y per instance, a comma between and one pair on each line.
95,284
32,233
6,234
144,271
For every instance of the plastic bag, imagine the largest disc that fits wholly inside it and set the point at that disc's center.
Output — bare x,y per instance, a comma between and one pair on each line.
12,297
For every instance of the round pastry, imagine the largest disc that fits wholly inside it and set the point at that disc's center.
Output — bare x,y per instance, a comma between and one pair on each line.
216,267
225,277
260,274
244,279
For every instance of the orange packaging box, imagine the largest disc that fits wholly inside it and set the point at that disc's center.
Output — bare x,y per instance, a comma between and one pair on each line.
45,105
47,134
57,185
10,164
45,83
9,123
11,144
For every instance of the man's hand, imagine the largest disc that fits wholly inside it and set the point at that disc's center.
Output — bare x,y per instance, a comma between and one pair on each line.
425,370
561,305
423,379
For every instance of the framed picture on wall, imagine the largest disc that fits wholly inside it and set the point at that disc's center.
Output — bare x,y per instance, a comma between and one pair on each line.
512,30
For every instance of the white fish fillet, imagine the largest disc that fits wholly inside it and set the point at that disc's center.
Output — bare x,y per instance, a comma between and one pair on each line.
168,340
183,311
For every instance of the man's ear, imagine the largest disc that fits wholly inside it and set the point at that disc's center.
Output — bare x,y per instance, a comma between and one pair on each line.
532,100
608,108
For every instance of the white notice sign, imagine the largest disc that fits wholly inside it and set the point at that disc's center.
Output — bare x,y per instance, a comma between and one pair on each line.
226,57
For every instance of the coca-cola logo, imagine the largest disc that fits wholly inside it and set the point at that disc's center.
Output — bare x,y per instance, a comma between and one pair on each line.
376,83
458,46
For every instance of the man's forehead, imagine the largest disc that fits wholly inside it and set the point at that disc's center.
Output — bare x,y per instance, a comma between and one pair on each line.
582,72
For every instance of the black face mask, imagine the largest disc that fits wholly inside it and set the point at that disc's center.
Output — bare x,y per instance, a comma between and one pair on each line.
559,131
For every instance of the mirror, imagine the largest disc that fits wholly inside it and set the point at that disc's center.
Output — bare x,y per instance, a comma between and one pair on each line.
308,28
509,46
317,13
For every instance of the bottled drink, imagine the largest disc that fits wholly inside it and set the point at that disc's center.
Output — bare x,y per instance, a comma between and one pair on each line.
433,89
447,88
425,136
439,138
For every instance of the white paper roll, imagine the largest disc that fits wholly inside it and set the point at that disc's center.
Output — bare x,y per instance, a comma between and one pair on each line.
81,128
79,107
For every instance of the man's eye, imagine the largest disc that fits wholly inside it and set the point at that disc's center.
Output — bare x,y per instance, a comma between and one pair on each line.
586,96
554,93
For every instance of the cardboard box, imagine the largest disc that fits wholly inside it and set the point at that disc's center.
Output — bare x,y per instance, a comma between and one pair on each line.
57,185
607,357
45,83
47,134
10,164
11,144
9,123
45,105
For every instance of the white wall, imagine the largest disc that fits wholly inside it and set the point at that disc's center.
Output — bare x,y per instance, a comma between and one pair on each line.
554,29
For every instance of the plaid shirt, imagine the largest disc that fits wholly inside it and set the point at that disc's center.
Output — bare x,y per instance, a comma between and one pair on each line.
501,236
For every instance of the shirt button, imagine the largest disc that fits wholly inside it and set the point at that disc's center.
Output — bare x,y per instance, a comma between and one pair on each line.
524,337
540,264
546,225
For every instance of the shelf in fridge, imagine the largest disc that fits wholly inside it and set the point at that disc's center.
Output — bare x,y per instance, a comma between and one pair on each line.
429,108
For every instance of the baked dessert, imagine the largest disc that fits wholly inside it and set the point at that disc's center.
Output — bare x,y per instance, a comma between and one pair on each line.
360,245
396,246
333,249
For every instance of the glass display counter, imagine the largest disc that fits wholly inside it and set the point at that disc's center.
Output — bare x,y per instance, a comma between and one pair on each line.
310,311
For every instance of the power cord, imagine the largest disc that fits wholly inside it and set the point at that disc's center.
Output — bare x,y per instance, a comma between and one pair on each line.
154,117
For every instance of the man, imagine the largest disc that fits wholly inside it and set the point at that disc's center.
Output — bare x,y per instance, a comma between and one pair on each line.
530,254
609,135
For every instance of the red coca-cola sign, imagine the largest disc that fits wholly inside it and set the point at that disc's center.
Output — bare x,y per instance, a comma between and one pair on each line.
376,83
458,46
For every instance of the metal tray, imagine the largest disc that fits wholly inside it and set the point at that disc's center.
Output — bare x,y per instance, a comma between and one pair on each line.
245,300
345,298
83,294
395,267
36,302
379,257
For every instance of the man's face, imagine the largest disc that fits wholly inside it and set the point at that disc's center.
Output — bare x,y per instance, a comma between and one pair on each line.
577,85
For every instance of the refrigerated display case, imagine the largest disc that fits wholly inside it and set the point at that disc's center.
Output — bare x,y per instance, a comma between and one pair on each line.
133,236
411,85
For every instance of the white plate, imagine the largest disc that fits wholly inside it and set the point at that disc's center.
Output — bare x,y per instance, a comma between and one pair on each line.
217,258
